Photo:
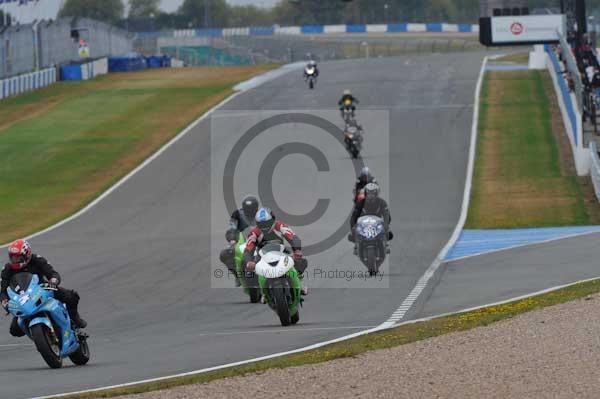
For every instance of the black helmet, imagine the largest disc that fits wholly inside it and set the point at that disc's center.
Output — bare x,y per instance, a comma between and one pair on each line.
365,175
371,191
250,206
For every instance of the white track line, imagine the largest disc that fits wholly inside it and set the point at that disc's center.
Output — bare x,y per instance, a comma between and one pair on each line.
439,260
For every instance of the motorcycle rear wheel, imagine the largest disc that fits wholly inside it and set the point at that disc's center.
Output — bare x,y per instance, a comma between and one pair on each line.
82,355
42,337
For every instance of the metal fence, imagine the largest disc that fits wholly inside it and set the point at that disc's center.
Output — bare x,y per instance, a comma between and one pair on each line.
25,48
286,49
571,63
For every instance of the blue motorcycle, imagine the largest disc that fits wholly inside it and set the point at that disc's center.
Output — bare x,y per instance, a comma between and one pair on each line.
372,242
46,321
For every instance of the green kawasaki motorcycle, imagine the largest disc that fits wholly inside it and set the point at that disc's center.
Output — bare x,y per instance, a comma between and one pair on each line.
279,282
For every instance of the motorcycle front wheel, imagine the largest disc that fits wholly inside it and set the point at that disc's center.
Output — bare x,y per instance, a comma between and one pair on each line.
281,305
47,345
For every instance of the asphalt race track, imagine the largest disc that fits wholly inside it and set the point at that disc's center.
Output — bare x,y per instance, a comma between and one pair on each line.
143,259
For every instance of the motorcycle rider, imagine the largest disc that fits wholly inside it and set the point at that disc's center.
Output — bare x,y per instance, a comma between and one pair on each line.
23,260
267,230
374,205
312,64
365,177
347,96
240,220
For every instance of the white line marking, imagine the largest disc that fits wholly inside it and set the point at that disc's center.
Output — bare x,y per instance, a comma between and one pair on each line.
13,345
283,330
522,245
383,326
439,260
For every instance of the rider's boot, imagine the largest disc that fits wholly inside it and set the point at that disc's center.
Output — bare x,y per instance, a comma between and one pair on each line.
76,319
303,286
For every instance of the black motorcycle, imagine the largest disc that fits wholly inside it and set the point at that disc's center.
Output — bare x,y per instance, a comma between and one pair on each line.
353,138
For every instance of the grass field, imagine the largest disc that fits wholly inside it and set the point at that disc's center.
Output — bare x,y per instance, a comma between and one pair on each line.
63,145
519,178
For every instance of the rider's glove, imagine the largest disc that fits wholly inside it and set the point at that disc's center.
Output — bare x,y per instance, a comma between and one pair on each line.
5,303
297,254
250,266
53,282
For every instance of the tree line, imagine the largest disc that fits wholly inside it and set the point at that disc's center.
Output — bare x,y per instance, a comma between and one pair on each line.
146,15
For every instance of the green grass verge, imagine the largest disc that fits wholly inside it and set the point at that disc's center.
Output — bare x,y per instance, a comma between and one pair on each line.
381,340
518,181
66,144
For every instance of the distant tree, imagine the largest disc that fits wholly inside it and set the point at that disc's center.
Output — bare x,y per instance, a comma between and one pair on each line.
195,12
250,16
110,11
143,8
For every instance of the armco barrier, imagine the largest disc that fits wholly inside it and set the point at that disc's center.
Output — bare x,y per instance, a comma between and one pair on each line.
27,82
328,29
595,168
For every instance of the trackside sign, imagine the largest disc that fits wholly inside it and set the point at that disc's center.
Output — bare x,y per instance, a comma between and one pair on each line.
527,29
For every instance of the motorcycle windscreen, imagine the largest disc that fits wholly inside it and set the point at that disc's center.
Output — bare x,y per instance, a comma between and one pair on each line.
21,281
272,247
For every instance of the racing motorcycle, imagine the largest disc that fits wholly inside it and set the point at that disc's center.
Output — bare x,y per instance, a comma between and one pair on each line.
311,76
249,280
371,240
353,138
279,282
348,112
46,321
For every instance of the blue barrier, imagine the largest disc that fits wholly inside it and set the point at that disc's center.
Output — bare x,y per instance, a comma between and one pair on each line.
209,32
437,27
70,72
356,28
158,61
262,31
312,29
465,28
564,90
126,63
397,28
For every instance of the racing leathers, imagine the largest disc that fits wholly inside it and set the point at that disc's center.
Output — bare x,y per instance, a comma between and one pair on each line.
46,273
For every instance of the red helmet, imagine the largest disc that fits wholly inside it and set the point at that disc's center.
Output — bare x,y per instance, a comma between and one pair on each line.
19,254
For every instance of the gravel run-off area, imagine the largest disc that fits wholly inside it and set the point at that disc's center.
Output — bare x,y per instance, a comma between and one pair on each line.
549,353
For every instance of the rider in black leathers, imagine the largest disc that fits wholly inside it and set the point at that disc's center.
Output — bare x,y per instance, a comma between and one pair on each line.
363,179
353,101
240,220
371,205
